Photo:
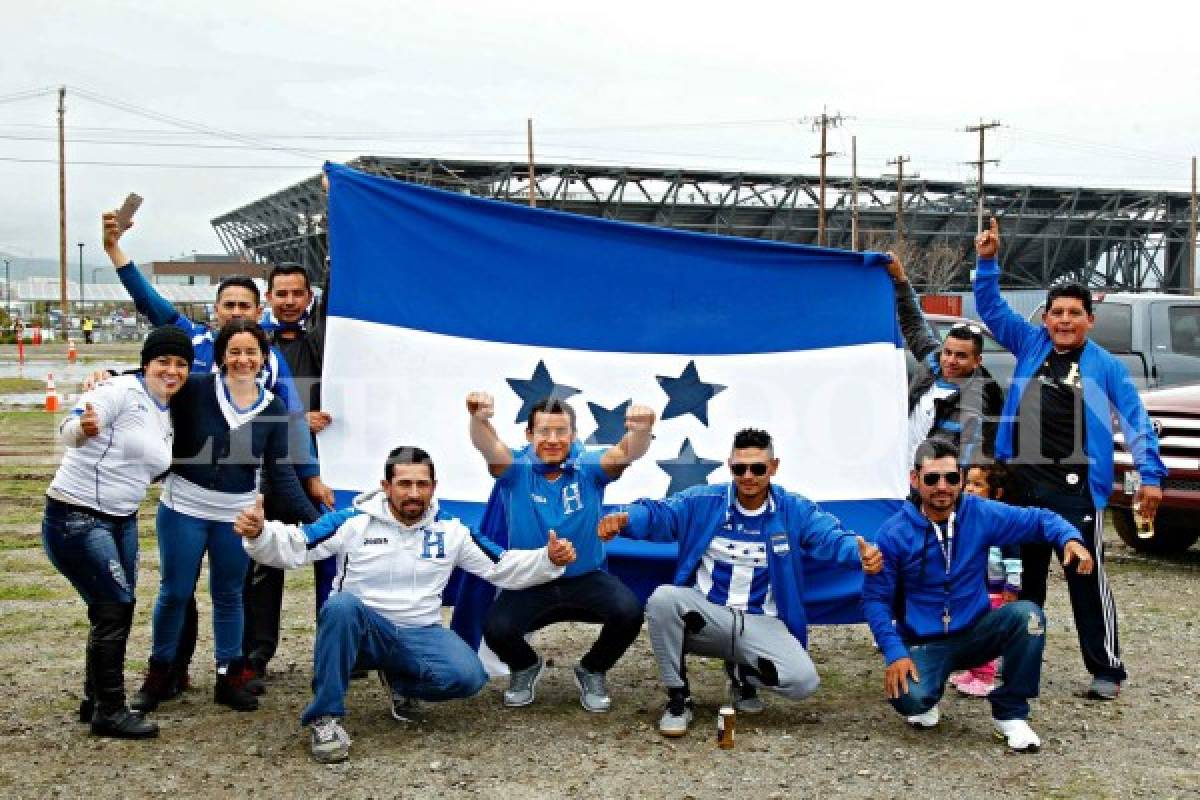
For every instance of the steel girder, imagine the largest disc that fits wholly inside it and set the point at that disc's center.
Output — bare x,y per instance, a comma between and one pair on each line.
1116,238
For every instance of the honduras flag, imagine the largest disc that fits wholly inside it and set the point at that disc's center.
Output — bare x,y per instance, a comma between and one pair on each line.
438,294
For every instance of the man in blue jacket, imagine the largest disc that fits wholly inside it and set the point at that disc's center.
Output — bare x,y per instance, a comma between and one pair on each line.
738,590
929,610
554,486
1056,434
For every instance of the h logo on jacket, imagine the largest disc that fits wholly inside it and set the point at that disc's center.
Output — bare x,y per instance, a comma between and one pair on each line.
433,539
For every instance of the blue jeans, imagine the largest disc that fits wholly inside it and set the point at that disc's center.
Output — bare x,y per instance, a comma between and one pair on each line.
97,554
182,542
428,663
1016,631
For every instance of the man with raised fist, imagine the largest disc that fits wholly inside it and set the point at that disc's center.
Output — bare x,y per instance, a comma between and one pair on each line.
554,484
394,555
738,585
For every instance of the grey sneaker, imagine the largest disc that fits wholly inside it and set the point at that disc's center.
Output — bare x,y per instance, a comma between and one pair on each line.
522,684
593,690
746,699
677,716
742,693
1104,689
330,742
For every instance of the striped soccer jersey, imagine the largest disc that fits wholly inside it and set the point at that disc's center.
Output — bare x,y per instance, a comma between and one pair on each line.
733,570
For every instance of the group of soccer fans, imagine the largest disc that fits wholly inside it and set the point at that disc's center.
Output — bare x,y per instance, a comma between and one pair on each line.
211,408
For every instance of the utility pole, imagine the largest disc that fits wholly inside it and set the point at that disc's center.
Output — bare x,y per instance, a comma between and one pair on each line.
1191,282
982,128
854,193
81,297
824,122
898,162
532,175
62,211
7,292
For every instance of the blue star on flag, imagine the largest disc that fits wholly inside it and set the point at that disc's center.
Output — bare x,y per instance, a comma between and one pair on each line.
610,424
687,394
538,387
687,469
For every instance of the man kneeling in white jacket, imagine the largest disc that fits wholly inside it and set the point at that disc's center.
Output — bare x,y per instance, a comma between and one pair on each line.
394,556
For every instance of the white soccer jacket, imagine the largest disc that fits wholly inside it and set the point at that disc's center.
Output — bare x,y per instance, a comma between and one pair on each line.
398,570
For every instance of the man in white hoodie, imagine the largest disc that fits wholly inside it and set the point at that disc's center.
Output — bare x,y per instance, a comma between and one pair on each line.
394,554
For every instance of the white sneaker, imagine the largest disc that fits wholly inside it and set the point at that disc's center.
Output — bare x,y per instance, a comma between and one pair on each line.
1018,734
676,717
927,720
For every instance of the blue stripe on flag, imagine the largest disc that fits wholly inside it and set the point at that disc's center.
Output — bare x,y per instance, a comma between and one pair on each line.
430,260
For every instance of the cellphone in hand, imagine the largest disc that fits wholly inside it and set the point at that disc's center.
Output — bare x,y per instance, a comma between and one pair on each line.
125,213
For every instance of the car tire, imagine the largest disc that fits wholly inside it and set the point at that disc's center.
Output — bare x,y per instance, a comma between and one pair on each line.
1171,534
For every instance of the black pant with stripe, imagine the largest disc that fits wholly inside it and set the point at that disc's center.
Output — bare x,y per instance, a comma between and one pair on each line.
1091,596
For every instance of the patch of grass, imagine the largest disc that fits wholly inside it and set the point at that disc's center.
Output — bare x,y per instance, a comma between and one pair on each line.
28,592
18,541
15,385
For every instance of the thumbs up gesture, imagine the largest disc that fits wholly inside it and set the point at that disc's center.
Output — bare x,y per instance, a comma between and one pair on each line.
250,521
90,421
560,551
872,559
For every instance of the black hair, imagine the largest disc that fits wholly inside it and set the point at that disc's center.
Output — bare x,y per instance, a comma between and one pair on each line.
931,450
235,326
407,454
998,477
288,268
1075,290
241,282
550,405
753,437
968,332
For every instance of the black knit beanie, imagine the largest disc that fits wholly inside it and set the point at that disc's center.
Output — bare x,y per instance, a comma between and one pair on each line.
167,341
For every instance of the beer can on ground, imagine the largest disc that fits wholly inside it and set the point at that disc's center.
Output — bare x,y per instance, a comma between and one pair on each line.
725,725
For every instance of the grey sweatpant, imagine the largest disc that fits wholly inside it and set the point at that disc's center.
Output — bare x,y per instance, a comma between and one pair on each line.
682,620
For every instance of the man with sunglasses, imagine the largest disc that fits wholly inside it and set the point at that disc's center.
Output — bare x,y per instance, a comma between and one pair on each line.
952,396
738,590
1056,434
928,607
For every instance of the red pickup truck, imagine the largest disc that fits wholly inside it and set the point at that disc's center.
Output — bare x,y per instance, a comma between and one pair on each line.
1176,416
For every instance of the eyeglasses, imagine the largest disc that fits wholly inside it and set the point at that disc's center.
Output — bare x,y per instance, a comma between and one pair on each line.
931,478
757,469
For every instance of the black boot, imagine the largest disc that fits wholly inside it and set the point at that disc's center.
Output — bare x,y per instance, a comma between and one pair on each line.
230,689
109,634
87,705
155,687
178,681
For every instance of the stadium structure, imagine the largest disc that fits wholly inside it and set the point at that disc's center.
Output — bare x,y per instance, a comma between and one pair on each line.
1119,239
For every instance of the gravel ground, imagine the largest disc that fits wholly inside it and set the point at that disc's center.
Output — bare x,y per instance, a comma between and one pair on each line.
845,741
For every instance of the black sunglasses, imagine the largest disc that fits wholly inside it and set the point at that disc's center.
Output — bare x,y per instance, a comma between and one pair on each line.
757,469
931,478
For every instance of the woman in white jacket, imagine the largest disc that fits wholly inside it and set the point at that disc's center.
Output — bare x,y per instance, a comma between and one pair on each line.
117,442
395,553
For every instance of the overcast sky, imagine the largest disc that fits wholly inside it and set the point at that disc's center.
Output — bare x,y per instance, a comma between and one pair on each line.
1088,92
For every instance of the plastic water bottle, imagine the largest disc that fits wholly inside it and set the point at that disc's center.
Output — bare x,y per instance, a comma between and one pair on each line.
1012,578
995,571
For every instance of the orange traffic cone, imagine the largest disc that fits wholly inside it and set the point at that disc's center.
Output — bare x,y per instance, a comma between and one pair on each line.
51,393
71,352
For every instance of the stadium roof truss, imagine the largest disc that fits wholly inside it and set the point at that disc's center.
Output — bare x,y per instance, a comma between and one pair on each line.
1114,238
